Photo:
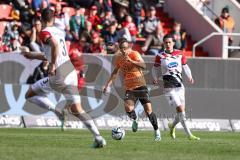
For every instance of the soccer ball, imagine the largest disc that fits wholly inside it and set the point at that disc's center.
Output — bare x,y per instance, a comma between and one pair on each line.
118,133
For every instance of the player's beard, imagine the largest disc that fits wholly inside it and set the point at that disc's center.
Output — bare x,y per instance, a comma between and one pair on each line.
124,53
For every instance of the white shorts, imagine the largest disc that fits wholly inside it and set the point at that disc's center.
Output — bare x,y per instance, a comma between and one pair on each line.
175,96
65,86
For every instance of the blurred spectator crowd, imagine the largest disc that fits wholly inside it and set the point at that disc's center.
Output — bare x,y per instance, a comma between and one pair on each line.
94,27
90,26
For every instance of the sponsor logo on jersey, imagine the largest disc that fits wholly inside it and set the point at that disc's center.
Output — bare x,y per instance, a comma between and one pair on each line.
172,65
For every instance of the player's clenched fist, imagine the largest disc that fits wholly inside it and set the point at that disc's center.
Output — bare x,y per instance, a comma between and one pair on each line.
191,80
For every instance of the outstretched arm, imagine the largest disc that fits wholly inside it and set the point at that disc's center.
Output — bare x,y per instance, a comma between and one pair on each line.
34,55
111,79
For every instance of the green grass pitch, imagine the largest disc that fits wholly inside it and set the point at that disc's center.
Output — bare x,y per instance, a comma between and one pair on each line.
52,144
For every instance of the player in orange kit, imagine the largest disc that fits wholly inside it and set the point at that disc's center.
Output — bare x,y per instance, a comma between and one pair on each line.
131,64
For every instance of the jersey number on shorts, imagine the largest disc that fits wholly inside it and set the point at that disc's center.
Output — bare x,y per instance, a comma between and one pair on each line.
44,82
64,52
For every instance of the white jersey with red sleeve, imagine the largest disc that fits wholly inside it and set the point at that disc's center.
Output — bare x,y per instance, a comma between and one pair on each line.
58,35
171,64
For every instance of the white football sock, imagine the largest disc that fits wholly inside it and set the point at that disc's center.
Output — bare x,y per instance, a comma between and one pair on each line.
182,119
89,123
43,102
176,120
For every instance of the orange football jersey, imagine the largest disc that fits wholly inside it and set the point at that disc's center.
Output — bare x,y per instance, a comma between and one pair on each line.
133,75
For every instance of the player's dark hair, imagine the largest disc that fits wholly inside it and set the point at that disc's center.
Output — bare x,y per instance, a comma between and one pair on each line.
168,36
47,15
121,42
225,10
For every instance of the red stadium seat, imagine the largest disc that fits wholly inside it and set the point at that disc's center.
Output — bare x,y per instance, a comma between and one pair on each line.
3,24
138,48
5,11
69,10
188,53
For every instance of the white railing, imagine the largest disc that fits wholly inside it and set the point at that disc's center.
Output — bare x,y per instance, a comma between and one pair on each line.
225,46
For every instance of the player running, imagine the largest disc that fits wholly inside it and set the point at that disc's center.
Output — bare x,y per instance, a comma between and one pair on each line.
62,77
171,62
131,64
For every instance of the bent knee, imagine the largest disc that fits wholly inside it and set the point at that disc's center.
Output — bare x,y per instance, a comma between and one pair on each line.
129,108
180,109
147,108
148,112
76,108
29,93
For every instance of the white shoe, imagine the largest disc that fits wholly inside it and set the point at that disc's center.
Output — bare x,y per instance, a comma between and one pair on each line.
157,135
99,142
62,117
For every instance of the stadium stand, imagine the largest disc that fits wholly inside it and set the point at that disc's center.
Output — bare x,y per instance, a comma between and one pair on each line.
5,11
167,23
107,6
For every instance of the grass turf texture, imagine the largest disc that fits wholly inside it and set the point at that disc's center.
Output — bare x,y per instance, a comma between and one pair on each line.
52,144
